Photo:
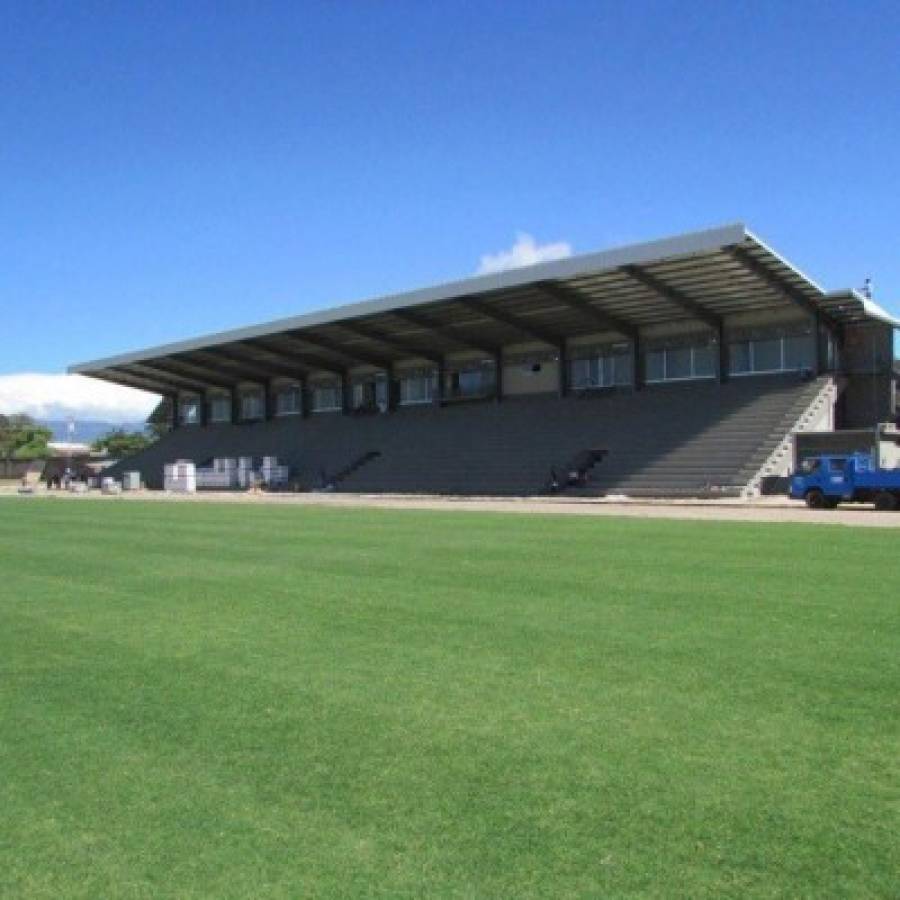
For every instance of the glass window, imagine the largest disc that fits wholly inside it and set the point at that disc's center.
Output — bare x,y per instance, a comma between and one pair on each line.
798,353
382,392
621,368
741,360
251,405
604,370
471,383
363,394
580,373
220,408
190,411
678,363
656,365
704,361
287,400
767,355
415,389
779,354
326,397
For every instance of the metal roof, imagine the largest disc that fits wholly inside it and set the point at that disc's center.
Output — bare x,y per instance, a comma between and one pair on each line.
699,277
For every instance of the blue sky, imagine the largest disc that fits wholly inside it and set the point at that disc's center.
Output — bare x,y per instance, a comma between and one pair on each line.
171,169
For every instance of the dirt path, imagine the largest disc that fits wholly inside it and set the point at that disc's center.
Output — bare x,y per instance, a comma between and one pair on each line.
767,509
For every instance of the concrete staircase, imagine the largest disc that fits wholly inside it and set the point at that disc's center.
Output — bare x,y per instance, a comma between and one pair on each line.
813,417
689,439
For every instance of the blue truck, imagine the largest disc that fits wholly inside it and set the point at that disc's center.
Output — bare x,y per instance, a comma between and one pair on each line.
824,481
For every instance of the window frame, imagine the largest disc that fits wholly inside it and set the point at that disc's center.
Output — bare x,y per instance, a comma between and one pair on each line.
293,390
693,376
783,368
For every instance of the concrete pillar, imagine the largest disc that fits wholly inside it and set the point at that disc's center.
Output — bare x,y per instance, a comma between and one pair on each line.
438,396
498,377
345,388
637,362
563,370
724,356
817,343
235,406
304,397
268,401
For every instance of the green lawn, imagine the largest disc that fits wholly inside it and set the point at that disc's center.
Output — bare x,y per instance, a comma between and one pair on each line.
202,700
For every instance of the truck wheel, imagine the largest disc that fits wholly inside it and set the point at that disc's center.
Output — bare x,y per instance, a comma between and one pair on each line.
885,501
831,502
815,499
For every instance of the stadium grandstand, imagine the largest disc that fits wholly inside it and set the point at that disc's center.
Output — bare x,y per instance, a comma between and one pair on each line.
676,367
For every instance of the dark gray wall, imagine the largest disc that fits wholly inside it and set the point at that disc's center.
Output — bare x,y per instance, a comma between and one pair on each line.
867,361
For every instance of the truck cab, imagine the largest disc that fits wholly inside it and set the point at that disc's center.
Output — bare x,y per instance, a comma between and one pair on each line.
824,481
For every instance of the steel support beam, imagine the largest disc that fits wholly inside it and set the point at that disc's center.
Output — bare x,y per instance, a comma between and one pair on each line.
353,356
785,291
441,375
184,371
153,374
724,355
244,368
268,409
395,343
563,380
236,417
529,329
571,298
304,398
463,340
817,343
130,379
298,356
637,362
673,295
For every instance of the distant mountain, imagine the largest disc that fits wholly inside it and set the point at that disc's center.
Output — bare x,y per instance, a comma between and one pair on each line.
85,431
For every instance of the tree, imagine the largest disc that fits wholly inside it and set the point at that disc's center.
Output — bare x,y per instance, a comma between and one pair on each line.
120,443
160,420
22,438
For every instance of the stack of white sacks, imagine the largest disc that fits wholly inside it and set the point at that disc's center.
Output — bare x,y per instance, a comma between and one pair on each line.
180,477
222,475
273,475
226,473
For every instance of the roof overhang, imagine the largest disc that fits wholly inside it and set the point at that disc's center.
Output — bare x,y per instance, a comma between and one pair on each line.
700,277
852,306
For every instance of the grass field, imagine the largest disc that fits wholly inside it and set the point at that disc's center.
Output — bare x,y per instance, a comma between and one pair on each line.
241,701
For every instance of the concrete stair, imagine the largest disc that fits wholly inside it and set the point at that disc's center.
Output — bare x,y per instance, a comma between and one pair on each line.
698,438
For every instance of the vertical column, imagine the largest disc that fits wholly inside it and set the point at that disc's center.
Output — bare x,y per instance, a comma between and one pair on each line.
391,391
304,397
724,360
498,376
563,370
441,374
268,406
817,343
176,410
345,393
637,361
203,411
235,406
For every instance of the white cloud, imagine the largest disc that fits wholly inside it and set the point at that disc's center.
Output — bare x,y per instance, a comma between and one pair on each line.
524,252
63,396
